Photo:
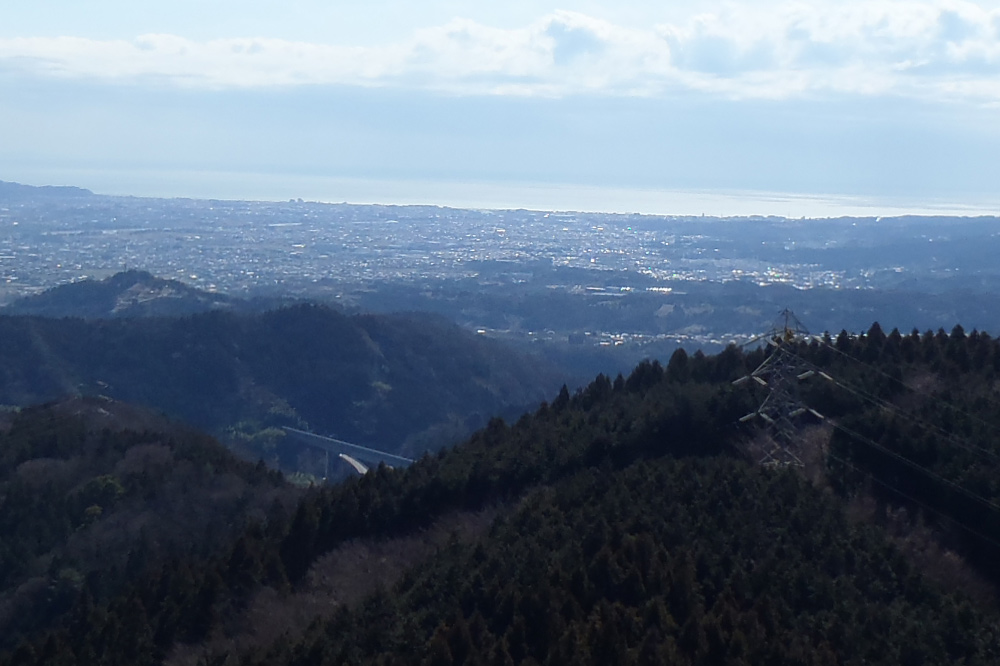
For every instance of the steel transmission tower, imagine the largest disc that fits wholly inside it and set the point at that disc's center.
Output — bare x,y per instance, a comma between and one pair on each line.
780,374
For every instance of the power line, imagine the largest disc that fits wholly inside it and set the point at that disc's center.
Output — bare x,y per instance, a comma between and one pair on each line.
885,404
961,489
915,500
986,423
782,370
780,373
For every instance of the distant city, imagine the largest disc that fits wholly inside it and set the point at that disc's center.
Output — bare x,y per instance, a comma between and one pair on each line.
443,259
239,247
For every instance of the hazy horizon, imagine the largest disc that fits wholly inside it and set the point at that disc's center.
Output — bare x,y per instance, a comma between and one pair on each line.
567,197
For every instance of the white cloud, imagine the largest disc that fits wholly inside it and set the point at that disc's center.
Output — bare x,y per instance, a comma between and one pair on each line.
919,48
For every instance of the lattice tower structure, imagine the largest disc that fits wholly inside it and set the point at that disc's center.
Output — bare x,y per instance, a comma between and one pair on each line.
780,373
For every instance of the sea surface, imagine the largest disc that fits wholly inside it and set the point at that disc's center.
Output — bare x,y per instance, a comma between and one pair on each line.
229,185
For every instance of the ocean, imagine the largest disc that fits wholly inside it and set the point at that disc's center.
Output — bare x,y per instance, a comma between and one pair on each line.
493,195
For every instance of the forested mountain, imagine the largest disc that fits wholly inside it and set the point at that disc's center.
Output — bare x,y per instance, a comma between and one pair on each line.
94,492
130,293
374,380
625,524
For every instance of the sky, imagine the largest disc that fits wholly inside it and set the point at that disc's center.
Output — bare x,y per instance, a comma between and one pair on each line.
757,107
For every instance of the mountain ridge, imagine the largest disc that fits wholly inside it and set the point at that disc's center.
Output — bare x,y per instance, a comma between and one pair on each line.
11,190
384,381
129,293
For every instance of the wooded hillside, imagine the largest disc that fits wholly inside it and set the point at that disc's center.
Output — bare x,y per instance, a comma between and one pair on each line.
374,380
629,525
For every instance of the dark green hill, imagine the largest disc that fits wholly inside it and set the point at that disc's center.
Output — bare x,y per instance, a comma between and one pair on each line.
631,527
127,294
95,492
668,562
374,380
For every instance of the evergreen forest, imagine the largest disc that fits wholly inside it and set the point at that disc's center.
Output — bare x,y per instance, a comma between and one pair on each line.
628,522
393,382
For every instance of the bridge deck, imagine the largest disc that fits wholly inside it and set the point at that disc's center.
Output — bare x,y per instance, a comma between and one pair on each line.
362,453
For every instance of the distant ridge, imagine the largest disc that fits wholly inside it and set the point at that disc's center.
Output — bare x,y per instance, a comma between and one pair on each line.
19,191
383,381
132,293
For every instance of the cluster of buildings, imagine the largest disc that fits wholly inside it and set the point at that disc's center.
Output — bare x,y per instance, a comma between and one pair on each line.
243,247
